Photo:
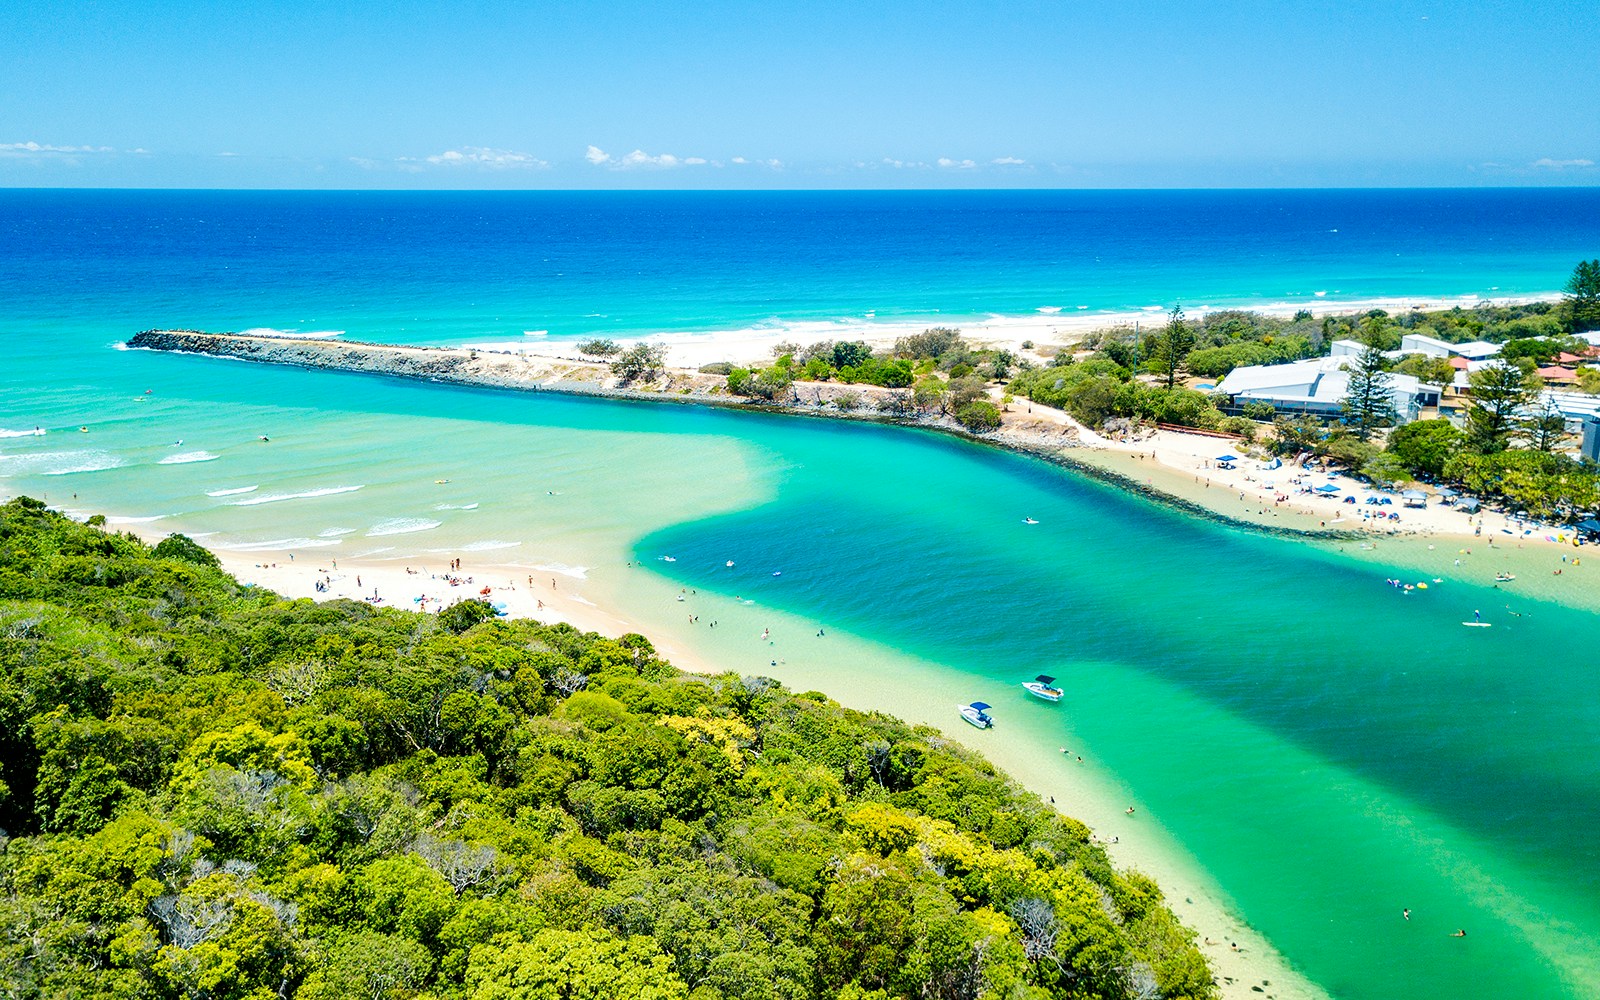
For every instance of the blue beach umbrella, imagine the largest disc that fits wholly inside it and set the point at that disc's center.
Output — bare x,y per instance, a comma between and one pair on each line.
1227,458
1327,488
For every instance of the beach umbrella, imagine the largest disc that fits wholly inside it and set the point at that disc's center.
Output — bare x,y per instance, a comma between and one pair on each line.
1589,527
1327,488
1227,458
1446,491
1414,495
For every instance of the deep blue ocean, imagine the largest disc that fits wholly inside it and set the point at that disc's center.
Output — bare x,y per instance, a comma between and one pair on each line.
1328,749
458,266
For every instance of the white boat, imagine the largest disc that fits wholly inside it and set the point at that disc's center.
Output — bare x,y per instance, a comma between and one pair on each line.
977,714
1044,686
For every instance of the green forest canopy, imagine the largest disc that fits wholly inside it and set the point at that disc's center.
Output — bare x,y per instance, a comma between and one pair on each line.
214,792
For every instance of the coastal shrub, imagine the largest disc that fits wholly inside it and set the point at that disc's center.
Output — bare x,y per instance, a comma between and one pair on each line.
816,370
600,348
768,383
934,342
184,549
642,360
1258,410
717,368
847,401
1384,469
980,416
849,353
1242,426
892,373
462,615
1425,446
273,798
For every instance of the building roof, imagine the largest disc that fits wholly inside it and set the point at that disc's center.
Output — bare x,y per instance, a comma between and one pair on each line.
1315,380
1476,349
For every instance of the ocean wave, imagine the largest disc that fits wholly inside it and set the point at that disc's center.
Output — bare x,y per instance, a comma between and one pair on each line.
1048,310
233,492
188,457
488,545
275,544
402,526
267,331
275,497
335,532
58,463
536,333
135,520
36,432
455,506
576,572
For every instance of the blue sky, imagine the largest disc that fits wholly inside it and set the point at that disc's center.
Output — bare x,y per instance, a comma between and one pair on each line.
784,94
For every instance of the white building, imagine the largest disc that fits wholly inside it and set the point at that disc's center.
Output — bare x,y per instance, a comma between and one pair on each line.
1477,350
1317,386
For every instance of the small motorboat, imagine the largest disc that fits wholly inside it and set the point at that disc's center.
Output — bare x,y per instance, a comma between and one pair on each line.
729,564
1043,686
977,714
1504,577
1029,520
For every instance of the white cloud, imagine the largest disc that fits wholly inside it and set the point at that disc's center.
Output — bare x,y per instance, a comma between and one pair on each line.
640,160
484,158
1546,163
890,161
1008,161
949,164
41,150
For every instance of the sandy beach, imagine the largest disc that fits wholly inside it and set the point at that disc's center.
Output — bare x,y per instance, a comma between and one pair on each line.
1053,327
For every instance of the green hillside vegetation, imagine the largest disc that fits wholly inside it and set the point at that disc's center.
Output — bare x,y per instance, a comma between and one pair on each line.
214,792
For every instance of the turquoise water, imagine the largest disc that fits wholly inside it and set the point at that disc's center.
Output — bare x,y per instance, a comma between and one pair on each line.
1328,749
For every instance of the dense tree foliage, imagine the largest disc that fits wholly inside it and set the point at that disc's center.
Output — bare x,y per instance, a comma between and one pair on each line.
641,361
1098,388
1500,392
1582,304
1169,350
1369,397
212,792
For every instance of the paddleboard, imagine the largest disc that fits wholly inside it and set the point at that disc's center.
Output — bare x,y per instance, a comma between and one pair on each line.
1478,624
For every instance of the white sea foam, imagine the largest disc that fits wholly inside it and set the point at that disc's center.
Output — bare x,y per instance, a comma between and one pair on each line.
36,432
57,463
402,526
135,520
276,544
267,331
1049,310
536,333
576,572
335,532
455,506
188,457
275,497
233,492
488,545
